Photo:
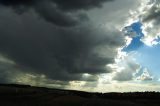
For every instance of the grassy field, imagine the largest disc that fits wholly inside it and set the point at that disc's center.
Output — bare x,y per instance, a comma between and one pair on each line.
24,95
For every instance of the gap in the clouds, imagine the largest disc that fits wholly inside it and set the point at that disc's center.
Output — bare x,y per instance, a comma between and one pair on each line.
136,42
146,56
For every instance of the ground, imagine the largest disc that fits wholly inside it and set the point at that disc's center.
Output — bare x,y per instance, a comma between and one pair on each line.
25,95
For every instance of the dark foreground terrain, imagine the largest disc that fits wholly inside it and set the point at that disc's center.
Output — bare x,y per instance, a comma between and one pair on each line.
25,95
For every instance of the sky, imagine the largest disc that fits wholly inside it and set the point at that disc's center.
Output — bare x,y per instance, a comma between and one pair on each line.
88,45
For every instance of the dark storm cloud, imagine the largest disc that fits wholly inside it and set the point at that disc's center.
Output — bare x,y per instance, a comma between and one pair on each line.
16,2
63,4
78,4
60,53
59,12
52,14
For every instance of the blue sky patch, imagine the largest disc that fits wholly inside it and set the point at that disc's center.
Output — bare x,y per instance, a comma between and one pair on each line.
136,40
147,57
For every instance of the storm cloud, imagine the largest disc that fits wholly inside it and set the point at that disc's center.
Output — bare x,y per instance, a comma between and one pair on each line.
58,12
63,47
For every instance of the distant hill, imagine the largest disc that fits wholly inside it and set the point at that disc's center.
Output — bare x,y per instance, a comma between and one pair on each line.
26,95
